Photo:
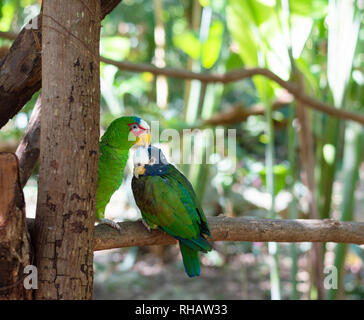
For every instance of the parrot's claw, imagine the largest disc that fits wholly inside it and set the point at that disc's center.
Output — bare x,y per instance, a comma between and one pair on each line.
111,223
146,225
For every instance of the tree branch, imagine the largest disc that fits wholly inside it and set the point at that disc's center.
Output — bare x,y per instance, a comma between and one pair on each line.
236,229
134,233
8,35
239,74
240,113
20,69
20,73
29,147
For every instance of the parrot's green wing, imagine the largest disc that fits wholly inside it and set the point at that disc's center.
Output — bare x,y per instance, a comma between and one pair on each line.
190,196
169,202
110,175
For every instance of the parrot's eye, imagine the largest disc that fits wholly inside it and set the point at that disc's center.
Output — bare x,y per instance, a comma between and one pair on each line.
134,127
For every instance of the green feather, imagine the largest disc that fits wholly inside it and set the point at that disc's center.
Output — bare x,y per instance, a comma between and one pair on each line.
114,151
110,175
191,261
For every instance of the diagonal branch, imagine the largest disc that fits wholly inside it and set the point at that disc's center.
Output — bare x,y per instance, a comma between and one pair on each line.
240,74
20,69
29,147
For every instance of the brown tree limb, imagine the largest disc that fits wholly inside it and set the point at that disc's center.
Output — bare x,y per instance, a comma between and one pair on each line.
134,233
8,35
107,6
240,74
238,229
29,147
240,113
15,248
20,69
20,73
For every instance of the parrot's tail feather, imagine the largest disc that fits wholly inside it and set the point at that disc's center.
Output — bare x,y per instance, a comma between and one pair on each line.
190,260
197,244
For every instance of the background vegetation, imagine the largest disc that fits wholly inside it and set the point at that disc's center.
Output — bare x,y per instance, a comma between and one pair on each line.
317,44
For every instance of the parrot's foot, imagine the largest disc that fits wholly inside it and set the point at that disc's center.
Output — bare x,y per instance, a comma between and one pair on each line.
111,223
146,225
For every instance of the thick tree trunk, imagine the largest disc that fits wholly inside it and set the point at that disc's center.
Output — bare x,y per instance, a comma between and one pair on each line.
69,149
15,253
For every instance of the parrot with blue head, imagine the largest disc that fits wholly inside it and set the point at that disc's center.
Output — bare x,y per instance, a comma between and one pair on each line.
167,201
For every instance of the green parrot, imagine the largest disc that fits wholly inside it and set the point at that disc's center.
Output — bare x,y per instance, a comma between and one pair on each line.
167,201
122,134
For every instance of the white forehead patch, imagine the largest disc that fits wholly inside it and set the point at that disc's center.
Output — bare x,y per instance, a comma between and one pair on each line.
144,124
140,156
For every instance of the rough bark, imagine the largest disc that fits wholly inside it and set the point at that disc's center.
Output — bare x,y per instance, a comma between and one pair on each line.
20,73
64,226
29,147
237,229
15,249
20,69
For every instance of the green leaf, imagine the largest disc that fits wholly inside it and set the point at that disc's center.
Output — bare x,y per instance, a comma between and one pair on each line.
234,61
280,173
309,8
212,46
116,48
241,33
245,19
343,30
7,15
205,3
188,43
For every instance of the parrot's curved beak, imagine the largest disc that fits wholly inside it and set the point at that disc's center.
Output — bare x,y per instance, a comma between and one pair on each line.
139,171
144,139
